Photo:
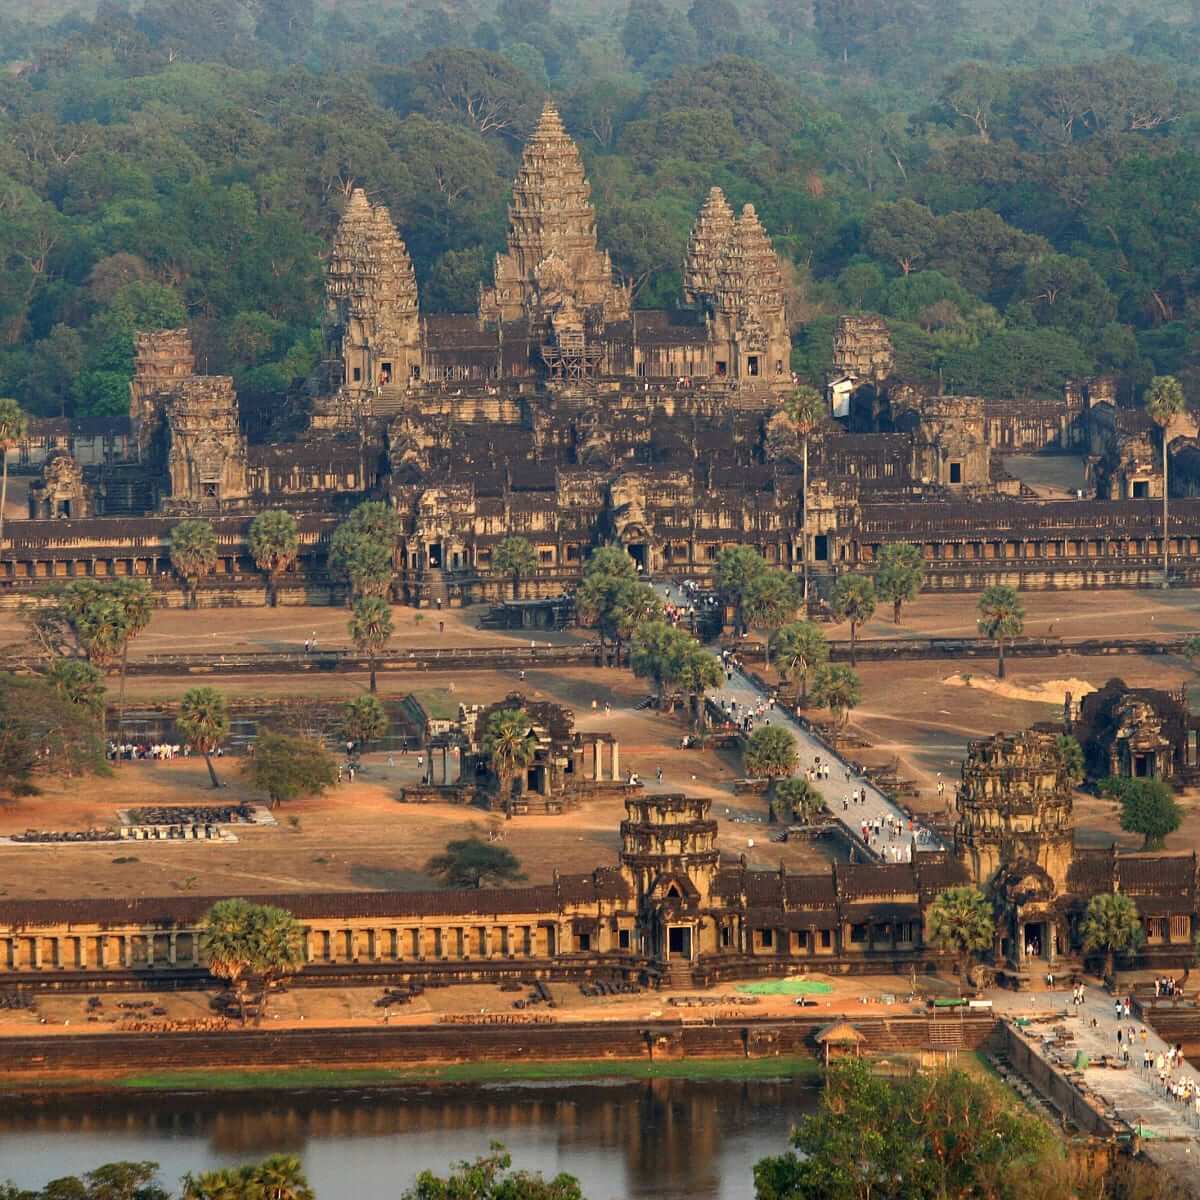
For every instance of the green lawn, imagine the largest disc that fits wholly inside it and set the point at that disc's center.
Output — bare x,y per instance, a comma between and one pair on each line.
483,1072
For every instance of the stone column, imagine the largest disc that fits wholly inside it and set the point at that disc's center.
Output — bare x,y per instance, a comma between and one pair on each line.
127,950
195,948
172,948
597,760
83,954
616,761
149,949
419,943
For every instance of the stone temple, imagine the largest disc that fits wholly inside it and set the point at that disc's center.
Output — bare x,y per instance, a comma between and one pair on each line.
560,412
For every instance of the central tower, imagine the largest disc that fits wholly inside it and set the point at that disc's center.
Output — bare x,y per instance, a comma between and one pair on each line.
552,263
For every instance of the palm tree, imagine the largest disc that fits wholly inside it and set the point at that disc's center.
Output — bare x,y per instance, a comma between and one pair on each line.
204,721
1164,403
224,1184
279,946
961,922
364,719
771,601
1001,615
370,629
13,425
275,543
798,649
854,601
228,944
280,1177
770,753
797,796
901,575
1111,924
79,682
510,744
697,672
194,552
516,557
805,409
135,603
837,688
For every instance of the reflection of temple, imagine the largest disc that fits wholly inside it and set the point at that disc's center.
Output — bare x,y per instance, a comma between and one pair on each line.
1139,733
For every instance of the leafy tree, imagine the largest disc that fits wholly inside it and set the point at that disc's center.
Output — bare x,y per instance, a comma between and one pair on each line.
612,599
1148,807
798,650
204,721
13,424
289,766
510,745
364,719
43,731
854,601
696,672
194,552
902,232
837,688
473,863
78,681
796,799
363,548
770,753
1001,616
717,24
1111,924
923,1136
900,576
1070,752
478,89
1164,402
489,1178
657,653
274,541
961,922
738,568
370,629
516,558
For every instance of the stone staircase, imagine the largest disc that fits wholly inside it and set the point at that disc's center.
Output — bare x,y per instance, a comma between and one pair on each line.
945,1034
435,581
677,977
389,400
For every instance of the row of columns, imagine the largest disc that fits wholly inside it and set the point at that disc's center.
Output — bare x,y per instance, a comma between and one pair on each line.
596,768
399,943
46,951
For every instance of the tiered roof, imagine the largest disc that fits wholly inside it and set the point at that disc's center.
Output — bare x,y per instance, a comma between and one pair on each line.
749,279
370,274
710,236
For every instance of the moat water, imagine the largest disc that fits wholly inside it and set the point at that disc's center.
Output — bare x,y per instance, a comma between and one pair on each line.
670,1139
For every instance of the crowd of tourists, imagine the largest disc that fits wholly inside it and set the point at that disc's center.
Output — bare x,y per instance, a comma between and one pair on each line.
156,751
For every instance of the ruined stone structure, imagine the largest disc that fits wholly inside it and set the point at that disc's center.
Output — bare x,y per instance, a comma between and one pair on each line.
1138,733
61,493
558,412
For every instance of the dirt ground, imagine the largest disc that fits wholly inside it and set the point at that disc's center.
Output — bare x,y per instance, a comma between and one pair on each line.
341,1007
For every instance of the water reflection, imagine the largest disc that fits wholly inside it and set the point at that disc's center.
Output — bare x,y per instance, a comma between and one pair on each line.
660,1138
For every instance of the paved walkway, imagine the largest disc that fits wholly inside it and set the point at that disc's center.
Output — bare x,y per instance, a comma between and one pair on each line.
842,781
1134,1094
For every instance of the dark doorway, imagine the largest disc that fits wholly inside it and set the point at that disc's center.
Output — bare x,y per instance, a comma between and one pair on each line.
679,942
956,472
1143,766
1141,490
637,551
821,547
435,554
385,373
752,364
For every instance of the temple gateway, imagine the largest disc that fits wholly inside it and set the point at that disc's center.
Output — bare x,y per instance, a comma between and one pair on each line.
559,412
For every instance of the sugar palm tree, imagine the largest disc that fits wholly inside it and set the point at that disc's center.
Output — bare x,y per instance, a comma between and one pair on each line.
798,649
370,628
275,543
228,944
204,721
1164,403
696,672
796,796
1112,924
1001,616
134,603
194,552
961,922
770,753
364,719
901,575
837,688
279,947
280,1177
509,743
13,425
854,601
805,409
515,557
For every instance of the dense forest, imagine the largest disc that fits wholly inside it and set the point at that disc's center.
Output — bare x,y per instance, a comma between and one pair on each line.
1015,187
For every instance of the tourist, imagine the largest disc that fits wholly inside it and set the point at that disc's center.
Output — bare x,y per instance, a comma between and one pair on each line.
1147,1059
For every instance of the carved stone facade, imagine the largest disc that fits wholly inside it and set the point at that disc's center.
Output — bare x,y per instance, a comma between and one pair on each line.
206,449
61,493
161,361
1138,733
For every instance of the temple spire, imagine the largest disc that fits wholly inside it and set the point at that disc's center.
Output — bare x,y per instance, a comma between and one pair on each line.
710,235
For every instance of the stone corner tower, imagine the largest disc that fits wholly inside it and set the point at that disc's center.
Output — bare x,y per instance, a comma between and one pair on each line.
161,360
669,840
1014,812
373,325
552,262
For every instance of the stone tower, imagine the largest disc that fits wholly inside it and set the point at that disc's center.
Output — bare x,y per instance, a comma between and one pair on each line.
552,261
862,349
160,360
206,457
1014,810
711,233
732,272
373,320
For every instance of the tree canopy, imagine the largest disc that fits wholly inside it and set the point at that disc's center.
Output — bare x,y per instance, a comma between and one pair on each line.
289,766
1148,807
473,863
